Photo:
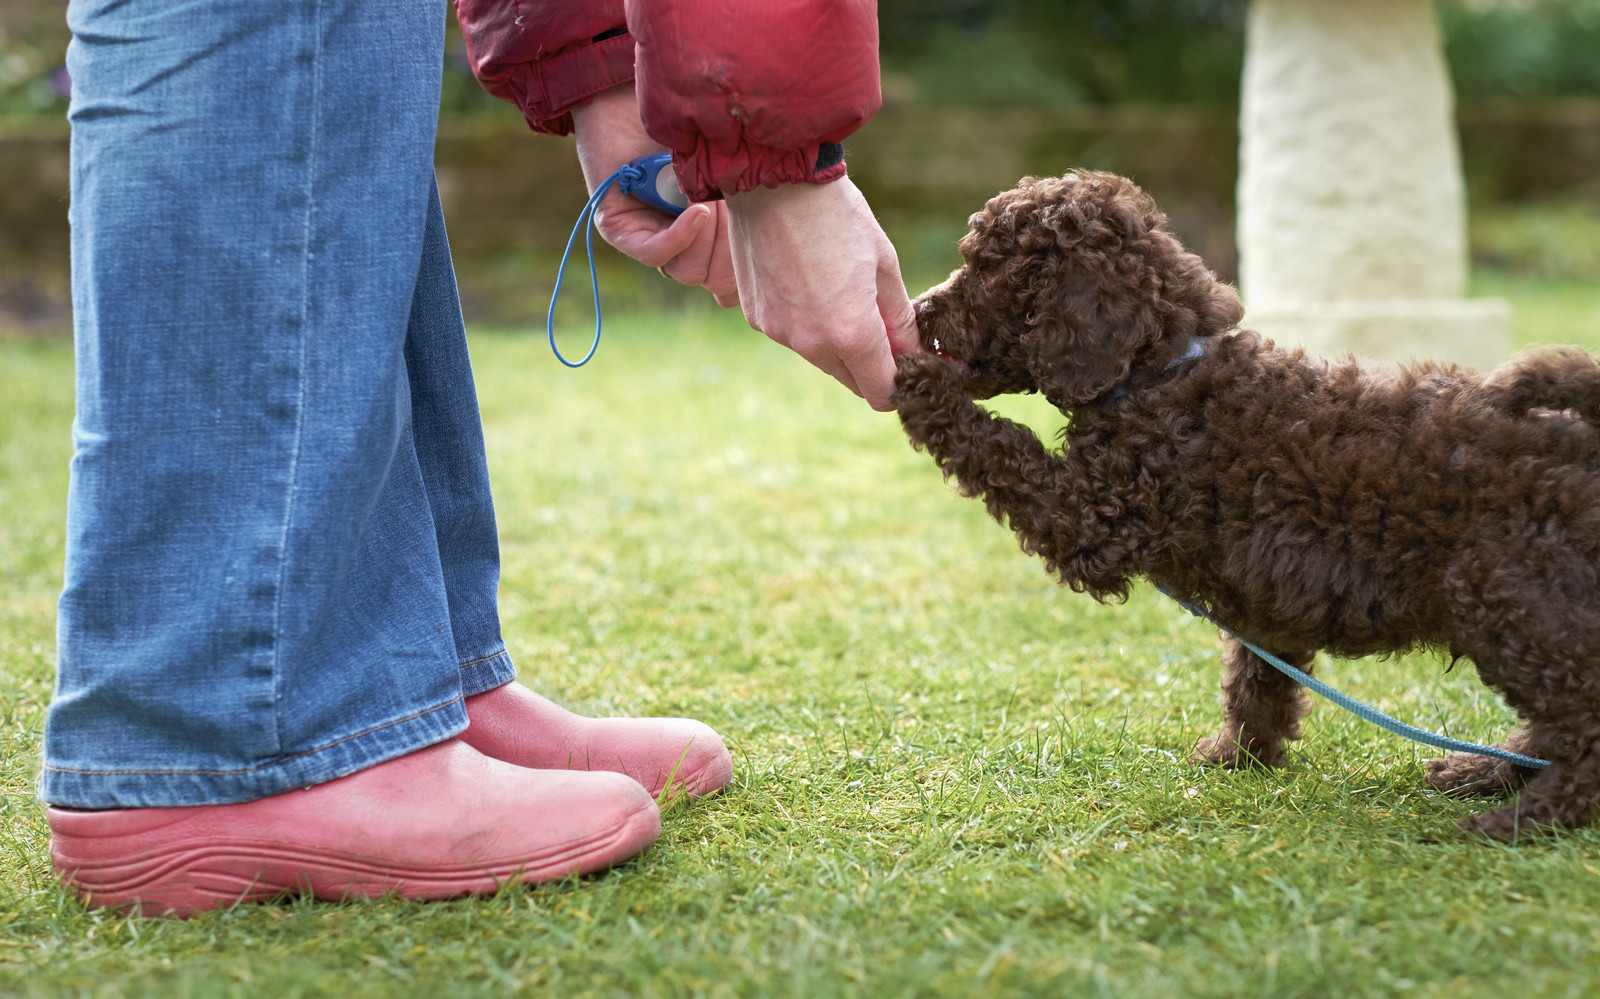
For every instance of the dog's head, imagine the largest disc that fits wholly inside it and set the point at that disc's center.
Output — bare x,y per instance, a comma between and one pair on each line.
1070,284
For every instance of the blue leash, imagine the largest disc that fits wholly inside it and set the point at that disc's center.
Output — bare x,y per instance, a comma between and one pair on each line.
1366,713
638,179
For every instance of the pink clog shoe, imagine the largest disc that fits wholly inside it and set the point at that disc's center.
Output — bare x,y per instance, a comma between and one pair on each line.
514,724
441,822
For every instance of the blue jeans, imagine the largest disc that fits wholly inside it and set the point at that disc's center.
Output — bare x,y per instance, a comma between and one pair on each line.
281,559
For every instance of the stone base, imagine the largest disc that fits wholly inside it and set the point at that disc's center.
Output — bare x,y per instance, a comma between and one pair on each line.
1469,332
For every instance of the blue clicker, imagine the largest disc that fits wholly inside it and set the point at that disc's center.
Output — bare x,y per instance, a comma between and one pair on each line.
658,187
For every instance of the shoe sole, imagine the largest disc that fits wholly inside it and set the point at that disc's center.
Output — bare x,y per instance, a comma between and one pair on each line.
180,880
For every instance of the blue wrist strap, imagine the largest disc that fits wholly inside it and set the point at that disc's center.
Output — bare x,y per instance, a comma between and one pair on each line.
585,222
637,179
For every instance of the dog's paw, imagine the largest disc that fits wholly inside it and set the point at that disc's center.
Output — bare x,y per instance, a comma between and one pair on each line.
1509,823
1468,774
1227,750
924,376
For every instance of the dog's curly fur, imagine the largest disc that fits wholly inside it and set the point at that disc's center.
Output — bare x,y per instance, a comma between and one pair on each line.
1308,504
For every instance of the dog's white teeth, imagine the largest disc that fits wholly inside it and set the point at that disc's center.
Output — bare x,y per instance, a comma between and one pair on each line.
936,344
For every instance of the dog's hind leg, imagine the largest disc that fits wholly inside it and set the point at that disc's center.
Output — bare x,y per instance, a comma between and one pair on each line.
1466,774
1525,614
1564,795
1261,710
1553,688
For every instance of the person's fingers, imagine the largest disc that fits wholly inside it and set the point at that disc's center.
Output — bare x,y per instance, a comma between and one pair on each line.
834,366
894,305
692,266
720,278
650,237
691,249
816,274
870,366
844,346
855,344
708,262
688,267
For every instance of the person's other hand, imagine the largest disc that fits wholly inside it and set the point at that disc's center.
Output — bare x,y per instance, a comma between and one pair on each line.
817,274
691,249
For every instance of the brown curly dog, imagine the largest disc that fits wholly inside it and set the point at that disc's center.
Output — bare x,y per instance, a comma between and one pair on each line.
1308,504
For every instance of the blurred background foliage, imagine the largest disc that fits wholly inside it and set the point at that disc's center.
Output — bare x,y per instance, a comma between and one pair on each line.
1548,48
976,93
1039,53
1107,52
1048,53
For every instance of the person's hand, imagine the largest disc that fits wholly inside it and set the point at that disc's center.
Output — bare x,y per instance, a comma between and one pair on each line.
691,249
817,274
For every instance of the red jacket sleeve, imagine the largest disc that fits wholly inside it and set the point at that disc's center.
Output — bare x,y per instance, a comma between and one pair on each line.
545,56
744,93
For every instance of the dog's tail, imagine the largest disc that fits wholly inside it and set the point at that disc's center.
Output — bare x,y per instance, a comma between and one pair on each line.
1560,378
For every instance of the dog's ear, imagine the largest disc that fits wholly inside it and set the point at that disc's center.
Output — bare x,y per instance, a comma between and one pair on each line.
1117,291
1077,354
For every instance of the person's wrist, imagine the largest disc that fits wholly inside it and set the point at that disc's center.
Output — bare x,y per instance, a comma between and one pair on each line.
609,134
761,200
757,199
609,105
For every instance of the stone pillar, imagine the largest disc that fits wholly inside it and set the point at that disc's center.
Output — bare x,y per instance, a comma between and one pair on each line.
1352,212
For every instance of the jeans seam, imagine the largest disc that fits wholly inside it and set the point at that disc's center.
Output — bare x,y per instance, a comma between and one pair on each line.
276,762
297,445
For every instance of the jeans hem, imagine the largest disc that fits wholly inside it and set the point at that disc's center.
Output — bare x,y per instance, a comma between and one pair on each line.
487,673
105,789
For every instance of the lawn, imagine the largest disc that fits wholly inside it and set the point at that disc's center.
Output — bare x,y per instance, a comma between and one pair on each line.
953,777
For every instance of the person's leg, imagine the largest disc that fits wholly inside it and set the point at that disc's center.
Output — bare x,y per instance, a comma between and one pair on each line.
509,721
254,599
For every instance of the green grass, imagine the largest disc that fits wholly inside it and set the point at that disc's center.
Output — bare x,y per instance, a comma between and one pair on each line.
953,777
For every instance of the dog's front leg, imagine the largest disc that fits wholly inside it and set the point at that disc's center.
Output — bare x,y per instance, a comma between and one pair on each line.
1261,710
1022,483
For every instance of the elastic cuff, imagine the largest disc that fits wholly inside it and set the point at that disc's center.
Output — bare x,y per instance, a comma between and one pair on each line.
706,174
